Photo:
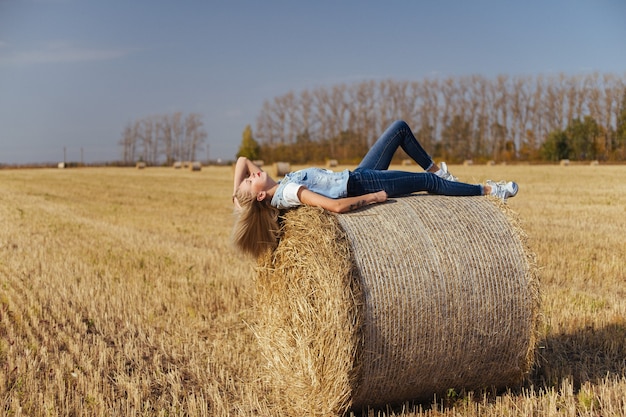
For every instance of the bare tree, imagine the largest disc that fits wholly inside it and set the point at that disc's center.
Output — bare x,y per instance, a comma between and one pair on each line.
497,118
149,141
128,144
164,136
194,135
178,129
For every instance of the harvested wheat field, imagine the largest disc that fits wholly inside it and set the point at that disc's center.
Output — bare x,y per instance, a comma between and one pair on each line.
121,295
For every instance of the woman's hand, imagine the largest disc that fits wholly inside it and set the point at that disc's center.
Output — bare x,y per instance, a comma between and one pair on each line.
380,196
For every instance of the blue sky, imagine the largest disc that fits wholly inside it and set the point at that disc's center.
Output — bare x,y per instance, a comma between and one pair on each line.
73,73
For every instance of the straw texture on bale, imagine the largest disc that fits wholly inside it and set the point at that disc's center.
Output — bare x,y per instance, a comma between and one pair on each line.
308,321
396,302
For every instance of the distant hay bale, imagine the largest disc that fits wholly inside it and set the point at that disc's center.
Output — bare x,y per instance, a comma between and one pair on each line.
140,165
594,163
178,165
195,166
468,162
61,165
281,169
258,162
331,163
396,302
491,163
406,162
564,162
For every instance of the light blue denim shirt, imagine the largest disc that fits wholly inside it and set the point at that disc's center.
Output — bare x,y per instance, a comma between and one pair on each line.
321,181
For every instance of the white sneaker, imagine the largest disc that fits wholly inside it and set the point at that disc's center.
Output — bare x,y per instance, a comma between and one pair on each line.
443,173
503,189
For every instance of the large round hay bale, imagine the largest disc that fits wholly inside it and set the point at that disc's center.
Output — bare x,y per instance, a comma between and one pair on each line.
281,169
396,302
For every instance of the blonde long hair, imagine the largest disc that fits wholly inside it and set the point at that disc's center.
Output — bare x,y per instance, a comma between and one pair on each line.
256,227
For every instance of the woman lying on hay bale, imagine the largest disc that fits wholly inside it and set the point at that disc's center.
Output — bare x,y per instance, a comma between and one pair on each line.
258,197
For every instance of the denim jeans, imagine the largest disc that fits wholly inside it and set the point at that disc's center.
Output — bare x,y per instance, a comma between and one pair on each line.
372,174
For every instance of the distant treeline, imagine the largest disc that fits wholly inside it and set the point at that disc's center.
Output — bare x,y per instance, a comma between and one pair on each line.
169,137
471,117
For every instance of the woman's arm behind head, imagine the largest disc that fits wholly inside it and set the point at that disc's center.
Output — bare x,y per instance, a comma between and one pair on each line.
243,168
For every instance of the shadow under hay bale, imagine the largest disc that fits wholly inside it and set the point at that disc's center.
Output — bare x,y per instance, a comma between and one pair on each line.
396,302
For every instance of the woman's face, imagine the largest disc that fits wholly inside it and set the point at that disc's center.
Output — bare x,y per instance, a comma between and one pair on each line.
255,183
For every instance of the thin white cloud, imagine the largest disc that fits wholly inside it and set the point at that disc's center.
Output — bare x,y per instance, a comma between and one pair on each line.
58,52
